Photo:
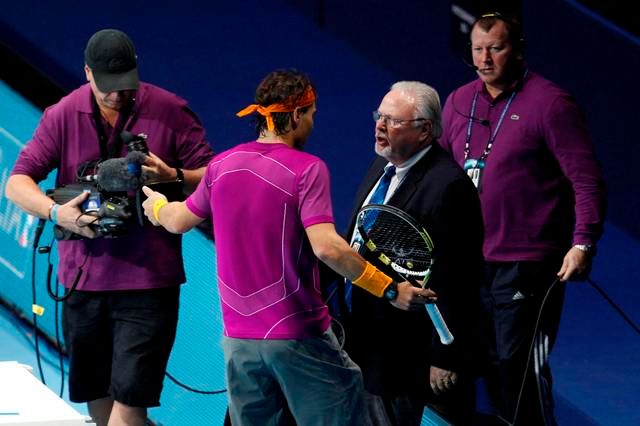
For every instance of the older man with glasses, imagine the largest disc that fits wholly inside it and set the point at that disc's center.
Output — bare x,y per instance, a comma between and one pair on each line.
403,362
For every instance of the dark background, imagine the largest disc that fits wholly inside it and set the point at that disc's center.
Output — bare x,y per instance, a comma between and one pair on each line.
214,53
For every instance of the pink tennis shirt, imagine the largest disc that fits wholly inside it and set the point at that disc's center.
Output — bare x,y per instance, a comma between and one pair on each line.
261,198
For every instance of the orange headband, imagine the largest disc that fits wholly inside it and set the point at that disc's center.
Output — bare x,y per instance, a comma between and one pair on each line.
288,105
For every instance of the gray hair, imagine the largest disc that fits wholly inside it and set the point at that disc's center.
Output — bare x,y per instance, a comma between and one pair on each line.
427,102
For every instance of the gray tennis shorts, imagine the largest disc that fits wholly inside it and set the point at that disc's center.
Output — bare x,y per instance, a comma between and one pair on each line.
314,377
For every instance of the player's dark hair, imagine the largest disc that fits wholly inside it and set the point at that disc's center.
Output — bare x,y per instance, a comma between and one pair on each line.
275,88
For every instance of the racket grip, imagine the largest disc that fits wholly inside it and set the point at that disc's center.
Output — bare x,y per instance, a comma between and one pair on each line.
438,322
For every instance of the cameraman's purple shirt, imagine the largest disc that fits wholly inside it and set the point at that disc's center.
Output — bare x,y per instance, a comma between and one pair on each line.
261,198
146,257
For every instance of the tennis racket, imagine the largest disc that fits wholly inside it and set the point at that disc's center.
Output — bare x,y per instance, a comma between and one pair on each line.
401,242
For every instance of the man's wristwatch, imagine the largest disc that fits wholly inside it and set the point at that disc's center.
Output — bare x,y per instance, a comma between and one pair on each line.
179,175
391,292
589,249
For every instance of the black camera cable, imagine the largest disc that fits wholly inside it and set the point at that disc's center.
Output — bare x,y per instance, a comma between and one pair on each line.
613,304
66,295
36,310
542,359
54,296
24,327
58,344
76,280
191,389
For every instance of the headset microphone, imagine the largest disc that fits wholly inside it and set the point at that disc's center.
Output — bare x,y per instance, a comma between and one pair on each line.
466,59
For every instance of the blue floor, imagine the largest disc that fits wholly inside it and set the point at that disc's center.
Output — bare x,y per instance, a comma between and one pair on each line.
596,362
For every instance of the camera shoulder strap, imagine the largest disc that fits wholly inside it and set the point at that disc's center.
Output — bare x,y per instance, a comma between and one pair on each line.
115,142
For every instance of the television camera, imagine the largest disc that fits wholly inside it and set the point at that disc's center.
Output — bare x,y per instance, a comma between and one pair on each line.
114,187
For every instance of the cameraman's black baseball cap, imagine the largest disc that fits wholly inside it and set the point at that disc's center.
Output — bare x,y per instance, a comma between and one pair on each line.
112,58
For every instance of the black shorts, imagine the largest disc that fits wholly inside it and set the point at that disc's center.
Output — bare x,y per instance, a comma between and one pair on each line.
119,343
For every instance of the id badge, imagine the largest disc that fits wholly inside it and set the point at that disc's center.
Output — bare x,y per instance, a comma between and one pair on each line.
476,177
474,169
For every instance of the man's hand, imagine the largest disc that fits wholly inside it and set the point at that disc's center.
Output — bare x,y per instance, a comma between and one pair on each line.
413,298
575,266
442,380
147,205
157,170
70,216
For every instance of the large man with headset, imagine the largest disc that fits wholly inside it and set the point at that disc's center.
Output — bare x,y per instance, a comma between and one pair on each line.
404,364
524,143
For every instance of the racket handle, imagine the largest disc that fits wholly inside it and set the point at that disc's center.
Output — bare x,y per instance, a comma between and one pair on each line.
438,322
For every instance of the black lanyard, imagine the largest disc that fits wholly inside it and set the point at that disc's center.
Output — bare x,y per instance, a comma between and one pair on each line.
115,142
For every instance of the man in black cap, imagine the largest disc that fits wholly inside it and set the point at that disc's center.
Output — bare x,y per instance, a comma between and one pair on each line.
120,321
111,67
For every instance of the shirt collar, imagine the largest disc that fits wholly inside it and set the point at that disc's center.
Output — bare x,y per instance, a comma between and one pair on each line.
506,93
402,170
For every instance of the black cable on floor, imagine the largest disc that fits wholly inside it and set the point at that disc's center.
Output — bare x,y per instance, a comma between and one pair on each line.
36,332
603,294
606,297
24,328
190,389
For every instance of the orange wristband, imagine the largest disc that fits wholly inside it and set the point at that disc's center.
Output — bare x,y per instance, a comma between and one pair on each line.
373,280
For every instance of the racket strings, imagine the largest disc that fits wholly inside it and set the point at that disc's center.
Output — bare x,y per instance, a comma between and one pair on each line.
398,239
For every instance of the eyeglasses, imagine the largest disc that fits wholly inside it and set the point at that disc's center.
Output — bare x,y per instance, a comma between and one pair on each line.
393,122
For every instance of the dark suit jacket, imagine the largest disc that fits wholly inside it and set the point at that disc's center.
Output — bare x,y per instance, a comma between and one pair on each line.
395,348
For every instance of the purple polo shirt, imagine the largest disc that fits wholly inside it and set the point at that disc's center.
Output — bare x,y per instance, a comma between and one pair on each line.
147,257
542,188
261,198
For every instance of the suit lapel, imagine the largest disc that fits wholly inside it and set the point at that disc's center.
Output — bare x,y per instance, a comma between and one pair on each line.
371,178
404,192
409,185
